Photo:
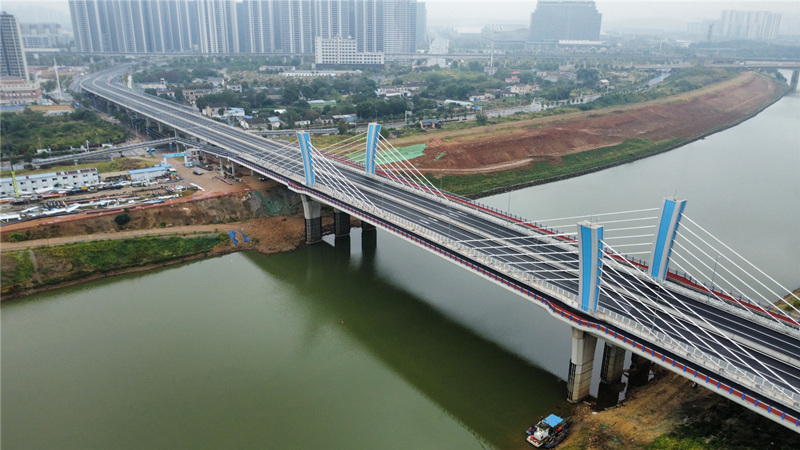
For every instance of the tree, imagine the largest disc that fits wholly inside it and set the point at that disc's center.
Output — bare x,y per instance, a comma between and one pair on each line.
342,126
122,219
481,119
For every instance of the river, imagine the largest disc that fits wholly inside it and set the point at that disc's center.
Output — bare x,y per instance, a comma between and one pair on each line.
369,343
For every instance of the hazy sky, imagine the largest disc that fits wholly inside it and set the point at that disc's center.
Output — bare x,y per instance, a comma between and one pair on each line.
631,14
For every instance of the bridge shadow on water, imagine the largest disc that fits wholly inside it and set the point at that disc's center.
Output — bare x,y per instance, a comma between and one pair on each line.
492,392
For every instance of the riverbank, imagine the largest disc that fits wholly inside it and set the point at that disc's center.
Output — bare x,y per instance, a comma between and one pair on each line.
670,411
498,158
41,254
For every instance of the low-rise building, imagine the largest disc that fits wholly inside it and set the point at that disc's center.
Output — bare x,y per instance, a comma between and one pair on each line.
148,173
348,118
319,73
41,182
523,89
429,123
193,94
17,91
216,81
341,51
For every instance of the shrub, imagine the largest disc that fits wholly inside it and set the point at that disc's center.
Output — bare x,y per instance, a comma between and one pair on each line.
122,219
16,237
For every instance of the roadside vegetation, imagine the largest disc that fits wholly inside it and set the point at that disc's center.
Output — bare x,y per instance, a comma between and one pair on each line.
28,131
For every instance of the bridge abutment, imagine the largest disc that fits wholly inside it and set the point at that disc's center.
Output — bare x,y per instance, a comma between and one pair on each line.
312,210
580,365
341,224
613,363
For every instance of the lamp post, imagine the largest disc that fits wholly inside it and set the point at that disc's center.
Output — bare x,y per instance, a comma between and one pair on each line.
714,275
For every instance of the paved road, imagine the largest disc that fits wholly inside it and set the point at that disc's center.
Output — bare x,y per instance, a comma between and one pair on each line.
469,231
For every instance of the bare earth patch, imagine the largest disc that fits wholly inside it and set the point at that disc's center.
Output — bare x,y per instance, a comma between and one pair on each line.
547,139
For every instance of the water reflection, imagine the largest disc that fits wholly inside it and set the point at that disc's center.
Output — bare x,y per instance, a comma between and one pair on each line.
489,390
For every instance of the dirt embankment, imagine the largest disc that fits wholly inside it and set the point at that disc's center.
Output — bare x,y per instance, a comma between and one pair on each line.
271,218
670,411
685,116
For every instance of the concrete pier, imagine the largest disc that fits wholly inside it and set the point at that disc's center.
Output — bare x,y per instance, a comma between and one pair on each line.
313,214
366,226
580,366
793,81
613,363
341,224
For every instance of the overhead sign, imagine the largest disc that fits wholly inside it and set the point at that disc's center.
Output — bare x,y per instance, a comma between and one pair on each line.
175,155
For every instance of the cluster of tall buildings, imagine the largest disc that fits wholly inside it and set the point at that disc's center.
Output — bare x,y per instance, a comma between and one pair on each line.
242,26
753,25
750,24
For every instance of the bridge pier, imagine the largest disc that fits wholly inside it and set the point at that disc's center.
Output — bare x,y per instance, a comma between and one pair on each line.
312,210
793,82
580,365
341,224
613,363
160,127
366,226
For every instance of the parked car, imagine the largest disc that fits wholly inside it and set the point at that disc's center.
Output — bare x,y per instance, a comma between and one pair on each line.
197,172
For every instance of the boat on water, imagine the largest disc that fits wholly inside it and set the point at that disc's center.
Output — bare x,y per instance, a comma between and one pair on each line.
549,432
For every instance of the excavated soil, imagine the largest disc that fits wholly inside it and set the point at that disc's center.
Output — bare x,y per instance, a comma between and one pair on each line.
508,146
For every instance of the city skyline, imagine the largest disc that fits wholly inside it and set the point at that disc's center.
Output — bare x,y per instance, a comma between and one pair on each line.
241,26
616,13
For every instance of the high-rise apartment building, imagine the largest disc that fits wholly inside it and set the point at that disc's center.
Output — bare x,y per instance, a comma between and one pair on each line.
241,26
12,53
422,22
554,21
750,25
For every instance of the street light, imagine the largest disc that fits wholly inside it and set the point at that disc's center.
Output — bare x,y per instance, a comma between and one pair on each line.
714,275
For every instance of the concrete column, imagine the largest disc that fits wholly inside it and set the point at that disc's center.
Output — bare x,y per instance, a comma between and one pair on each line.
580,366
671,212
793,81
613,363
639,371
233,168
160,127
341,224
313,215
590,264
366,226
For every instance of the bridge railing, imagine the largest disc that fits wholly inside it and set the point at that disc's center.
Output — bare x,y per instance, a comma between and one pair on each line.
702,359
713,300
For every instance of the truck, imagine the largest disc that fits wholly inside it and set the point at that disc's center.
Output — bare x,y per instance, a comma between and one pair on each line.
549,432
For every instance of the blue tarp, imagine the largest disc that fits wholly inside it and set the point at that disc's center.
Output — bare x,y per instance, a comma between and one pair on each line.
232,234
552,420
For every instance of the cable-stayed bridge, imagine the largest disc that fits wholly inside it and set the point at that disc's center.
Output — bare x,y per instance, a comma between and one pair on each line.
649,281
